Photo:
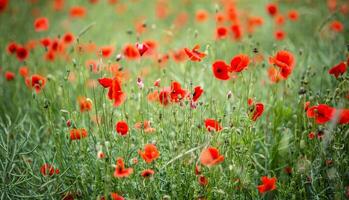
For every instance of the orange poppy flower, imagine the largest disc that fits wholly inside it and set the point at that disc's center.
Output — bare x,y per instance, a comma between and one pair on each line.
120,170
77,134
194,54
268,184
150,153
210,157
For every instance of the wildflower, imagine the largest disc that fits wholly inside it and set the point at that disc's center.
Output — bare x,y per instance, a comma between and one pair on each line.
197,93
120,170
23,71
12,48
36,81
48,170
272,9
9,76
77,134
285,61
150,153
338,70
210,156
142,48
212,125
85,104
256,109
239,63
203,181
41,24
121,128
147,173
268,184
337,26
22,53
77,12
194,55
293,15
115,92
322,113
221,70
116,196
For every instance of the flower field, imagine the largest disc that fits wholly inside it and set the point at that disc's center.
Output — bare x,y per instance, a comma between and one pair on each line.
174,99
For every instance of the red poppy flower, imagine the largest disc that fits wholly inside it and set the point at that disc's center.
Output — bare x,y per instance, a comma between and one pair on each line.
197,170
150,153
142,48
268,184
237,31
274,74
293,15
179,56
36,81
210,157
121,128
115,92
285,61
221,70
343,116
194,54
212,125
272,9
147,173
106,51
48,170
9,76
3,5
221,32
239,63
22,53
338,70
58,5
177,93
45,42
12,48
201,15
257,111
337,26
120,170
85,104
77,12
23,71
197,93
145,125
164,96
322,113
279,35
77,134
116,196
131,52
41,24
68,38
203,181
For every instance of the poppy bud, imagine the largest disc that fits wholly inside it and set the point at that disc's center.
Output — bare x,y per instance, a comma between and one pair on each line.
68,123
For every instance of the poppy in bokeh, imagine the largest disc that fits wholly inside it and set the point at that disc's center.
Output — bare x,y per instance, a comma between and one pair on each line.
210,156
285,61
41,24
147,173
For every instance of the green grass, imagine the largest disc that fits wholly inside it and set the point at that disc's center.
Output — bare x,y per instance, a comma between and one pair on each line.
33,127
